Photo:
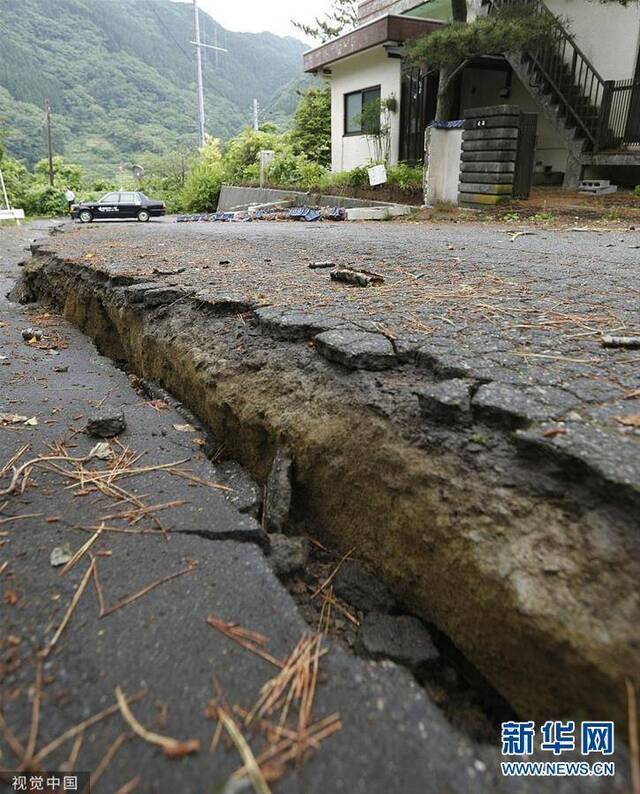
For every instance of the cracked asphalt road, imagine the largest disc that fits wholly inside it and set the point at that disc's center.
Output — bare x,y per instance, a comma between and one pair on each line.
523,310
161,643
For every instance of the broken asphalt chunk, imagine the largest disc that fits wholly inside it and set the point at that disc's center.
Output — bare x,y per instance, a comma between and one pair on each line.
106,424
361,589
288,554
356,349
401,638
279,490
294,325
626,342
449,401
360,278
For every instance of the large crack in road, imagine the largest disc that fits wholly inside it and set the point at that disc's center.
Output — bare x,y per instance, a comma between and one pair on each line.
529,566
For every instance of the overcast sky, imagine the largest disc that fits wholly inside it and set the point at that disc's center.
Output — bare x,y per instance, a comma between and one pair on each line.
259,15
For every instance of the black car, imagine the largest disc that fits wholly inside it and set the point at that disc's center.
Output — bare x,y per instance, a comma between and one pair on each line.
114,206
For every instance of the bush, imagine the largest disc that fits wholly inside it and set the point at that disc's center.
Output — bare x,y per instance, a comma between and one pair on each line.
42,199
406,177
202,189
636,192
356,178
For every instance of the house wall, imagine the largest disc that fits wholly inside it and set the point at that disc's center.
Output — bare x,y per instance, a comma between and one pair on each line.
364,70
607,33
481,87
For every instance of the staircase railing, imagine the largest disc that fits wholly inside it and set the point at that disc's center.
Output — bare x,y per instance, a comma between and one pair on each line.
620,115
569,74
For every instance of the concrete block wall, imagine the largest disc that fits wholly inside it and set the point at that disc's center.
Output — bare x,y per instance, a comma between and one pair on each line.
489,152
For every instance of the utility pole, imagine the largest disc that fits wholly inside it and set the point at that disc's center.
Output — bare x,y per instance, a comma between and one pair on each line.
201,119
47,111
256,112
199,45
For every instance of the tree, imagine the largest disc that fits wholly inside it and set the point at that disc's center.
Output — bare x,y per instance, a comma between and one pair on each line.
449,49
311,133
64,173
342,15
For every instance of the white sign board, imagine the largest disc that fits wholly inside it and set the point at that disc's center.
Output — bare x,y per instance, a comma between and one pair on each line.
267,156
11,215
377,175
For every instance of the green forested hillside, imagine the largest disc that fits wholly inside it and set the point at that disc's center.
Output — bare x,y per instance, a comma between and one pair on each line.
120,77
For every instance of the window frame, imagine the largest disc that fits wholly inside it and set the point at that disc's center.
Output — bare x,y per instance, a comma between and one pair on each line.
361,132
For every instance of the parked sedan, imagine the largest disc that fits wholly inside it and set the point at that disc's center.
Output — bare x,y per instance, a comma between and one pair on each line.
114,206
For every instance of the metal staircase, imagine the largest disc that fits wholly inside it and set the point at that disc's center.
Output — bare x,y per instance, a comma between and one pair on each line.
590,113
563,80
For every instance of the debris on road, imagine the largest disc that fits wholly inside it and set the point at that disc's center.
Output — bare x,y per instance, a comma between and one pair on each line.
632,420
17,419
360,278
106,425
267,213
628,342
61,555
321,265
28,334
184,428
176,271
102,451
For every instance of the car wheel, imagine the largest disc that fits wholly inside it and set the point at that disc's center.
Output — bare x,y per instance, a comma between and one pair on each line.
143,216
85,216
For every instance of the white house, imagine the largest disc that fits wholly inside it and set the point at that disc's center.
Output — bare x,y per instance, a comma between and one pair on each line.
584,85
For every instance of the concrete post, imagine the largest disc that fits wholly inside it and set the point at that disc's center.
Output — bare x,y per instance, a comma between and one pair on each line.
572,173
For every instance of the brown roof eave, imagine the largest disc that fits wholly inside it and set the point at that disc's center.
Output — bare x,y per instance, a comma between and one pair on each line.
380,31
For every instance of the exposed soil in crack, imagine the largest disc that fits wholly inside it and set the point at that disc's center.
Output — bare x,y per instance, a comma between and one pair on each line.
506,569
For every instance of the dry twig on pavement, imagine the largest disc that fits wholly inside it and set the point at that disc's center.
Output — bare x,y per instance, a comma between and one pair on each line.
250,640
172,748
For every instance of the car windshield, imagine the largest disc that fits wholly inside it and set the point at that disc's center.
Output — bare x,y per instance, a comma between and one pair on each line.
109,198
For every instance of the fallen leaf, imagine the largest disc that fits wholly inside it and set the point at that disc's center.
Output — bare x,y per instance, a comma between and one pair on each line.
552,432
11,597
632,395
184,428
12,419
632,420
31,422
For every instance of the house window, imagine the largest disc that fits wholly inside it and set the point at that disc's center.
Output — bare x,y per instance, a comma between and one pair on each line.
355,105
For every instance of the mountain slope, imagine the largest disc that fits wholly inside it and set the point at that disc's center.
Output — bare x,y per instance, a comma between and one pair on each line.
120,77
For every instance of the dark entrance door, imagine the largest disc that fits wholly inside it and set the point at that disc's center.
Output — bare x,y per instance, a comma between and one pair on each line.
632,131
417,109
525,155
